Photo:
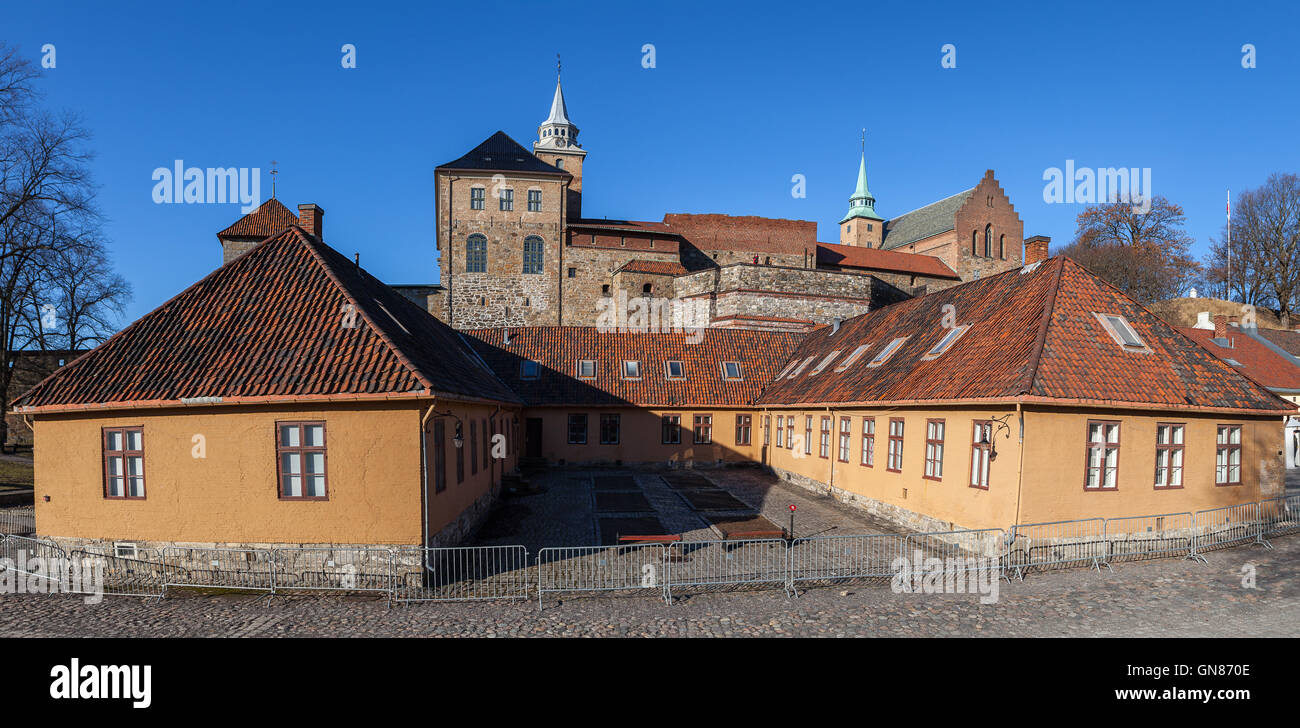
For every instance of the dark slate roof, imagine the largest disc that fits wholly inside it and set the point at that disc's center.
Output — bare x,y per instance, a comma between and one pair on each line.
500,152
558,348
269,326
1032,338
270,218
934,218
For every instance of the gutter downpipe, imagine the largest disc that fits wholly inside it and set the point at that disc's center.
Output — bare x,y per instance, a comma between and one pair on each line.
1020,468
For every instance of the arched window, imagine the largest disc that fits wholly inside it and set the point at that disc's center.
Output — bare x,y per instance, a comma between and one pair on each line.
974,242
476,254
532,254
988,240
559,163
1002,247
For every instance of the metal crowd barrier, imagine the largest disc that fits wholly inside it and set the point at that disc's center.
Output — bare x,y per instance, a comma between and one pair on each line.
219,568
140,575
630,568
1057,543
18,521
834,559
1218,528
971,551
1280,515
1135,537
466,573
333,569
722,564
32,558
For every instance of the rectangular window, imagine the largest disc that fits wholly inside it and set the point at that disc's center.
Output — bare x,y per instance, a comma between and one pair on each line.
300,455
1227,455
609,429
824,444
825,362
577,429
439,456
1103,455
934,449
672,429
703,429
887,352
587,369
949,338
529,369
476,198
742,429
507,200
674,370
124,462
869,441
857,354
534,200
789,432
631,370
1169,455
767,430
533,254
846,438
780,431
807,435
895,461
981,454
731,370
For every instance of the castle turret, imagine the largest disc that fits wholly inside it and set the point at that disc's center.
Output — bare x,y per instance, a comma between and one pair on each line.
557,144
861,226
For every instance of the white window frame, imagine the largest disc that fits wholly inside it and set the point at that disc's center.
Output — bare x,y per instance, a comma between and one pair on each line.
888,352
581,363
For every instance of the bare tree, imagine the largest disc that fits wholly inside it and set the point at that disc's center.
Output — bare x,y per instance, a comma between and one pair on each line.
1265,246
1146,255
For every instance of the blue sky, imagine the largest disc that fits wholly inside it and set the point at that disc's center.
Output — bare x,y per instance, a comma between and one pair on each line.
743,97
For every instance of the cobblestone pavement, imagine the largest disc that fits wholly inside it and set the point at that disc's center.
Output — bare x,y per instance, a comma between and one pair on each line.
1171,597
564,513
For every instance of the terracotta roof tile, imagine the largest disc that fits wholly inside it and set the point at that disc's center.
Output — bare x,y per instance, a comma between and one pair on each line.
1032,337
658,267
558,348
270,218
852,256
1253,357
270,326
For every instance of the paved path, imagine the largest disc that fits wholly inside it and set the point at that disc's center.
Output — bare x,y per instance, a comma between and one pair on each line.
1171,597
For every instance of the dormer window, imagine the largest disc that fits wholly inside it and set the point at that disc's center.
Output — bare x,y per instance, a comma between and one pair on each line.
887,352
529,369
631,370
674,370
825,362
731,370
946,342
1122,332
586,369
854,356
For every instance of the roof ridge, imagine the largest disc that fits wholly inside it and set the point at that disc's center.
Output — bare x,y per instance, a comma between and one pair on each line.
310,242
1040,341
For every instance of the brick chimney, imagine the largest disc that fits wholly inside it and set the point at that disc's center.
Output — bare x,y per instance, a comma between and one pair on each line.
1036,249
310,218
1220,326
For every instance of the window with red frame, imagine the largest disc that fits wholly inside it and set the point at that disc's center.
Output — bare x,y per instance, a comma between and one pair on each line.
1169,455
124,462
1103,455
743,428
869,441
1227,455
895,459
934,449
300,454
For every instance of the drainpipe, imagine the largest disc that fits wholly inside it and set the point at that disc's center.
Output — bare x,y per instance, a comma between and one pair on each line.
832,450
1020,468
424,477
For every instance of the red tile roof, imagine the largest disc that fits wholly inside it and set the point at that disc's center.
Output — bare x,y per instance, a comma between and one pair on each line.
558,348
1253,358
852,256
1032,338
1285,339
658,267
634,226
270,326
745,233
270,218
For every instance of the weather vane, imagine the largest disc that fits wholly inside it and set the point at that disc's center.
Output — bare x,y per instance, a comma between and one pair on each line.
274,172
557,65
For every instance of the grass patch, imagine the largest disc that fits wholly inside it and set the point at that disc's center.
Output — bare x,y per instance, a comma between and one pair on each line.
16,475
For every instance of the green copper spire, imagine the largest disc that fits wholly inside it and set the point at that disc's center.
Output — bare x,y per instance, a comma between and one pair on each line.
862,204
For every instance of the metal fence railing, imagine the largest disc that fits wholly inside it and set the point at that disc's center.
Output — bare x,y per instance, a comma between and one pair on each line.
722,564
466,573
332,568
1142,537
18,521
415,574
610,569
1057,544
219,568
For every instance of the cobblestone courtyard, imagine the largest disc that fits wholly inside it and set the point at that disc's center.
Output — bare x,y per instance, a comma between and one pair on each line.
1171,597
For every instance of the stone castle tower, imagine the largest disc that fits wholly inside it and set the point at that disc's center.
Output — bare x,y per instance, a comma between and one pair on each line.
861,226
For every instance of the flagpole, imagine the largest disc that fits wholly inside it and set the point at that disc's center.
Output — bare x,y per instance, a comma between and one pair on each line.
1229,211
